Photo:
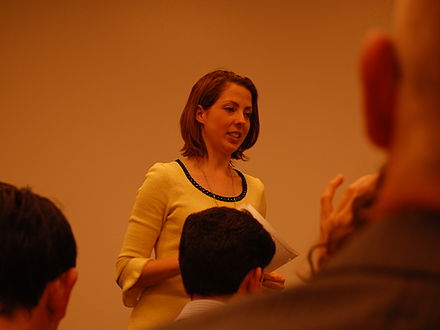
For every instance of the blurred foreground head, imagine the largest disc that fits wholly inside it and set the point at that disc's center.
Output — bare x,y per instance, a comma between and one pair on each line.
401,81
37,260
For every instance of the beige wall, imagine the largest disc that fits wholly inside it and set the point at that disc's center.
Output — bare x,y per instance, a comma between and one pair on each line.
91,93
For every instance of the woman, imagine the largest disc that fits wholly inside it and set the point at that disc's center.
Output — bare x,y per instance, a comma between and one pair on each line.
219,122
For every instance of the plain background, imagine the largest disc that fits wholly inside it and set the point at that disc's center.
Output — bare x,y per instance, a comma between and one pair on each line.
91,93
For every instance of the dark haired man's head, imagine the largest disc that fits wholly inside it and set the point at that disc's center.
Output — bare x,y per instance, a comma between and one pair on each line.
219,247
37,253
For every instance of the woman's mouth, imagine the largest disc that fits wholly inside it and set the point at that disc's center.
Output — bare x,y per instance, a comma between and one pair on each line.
236,135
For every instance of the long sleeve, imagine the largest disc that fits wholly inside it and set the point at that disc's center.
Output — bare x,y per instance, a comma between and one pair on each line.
144,226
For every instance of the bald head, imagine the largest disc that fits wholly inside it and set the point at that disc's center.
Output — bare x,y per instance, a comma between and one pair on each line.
401,81
417,41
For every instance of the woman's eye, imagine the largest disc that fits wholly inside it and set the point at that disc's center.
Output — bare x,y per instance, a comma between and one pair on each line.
230,109
248,114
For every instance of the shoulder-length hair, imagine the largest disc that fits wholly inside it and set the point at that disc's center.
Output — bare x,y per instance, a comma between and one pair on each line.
205,93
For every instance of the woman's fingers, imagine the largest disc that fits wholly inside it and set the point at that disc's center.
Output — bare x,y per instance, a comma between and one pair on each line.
274,281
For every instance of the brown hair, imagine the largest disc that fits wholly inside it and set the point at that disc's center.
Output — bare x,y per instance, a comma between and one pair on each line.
205,93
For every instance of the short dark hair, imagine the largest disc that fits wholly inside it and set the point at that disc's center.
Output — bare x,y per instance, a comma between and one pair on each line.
36,247
218,247
205,93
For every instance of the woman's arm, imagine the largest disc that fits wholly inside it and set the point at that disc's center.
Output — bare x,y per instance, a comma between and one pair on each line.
156,271
135,266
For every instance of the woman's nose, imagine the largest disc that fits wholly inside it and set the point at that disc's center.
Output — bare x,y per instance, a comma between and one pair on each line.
240,117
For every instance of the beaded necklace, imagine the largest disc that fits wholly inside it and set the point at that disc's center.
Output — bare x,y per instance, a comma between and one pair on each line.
211,194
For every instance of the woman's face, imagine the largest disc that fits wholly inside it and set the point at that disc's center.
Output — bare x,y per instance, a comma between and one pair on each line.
226,123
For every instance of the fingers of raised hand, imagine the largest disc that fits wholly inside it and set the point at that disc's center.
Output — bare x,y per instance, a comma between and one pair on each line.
328,195
342,214
359,187
364,184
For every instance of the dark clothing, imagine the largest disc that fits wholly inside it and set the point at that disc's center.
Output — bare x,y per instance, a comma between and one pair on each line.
386,277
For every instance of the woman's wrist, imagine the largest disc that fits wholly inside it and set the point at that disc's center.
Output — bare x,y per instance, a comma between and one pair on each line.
156,271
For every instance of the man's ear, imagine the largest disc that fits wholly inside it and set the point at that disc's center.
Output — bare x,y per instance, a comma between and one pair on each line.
200,114
252,281
59,291
380,76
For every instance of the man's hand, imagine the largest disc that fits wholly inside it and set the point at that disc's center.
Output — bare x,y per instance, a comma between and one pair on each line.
342,214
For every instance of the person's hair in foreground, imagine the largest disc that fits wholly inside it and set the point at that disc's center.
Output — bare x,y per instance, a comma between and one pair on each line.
37,257
218,248
205,93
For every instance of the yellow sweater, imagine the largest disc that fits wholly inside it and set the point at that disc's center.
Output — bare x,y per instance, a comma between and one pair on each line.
162,204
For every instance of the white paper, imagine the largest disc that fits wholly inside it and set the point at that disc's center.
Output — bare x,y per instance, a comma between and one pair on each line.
283,251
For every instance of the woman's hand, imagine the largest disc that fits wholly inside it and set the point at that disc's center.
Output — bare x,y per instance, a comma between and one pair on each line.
273,281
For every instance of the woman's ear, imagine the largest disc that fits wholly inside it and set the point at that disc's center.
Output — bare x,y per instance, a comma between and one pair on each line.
200,114
380,76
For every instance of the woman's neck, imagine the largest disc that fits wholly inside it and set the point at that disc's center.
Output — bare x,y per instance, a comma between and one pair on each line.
215,175
213,165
